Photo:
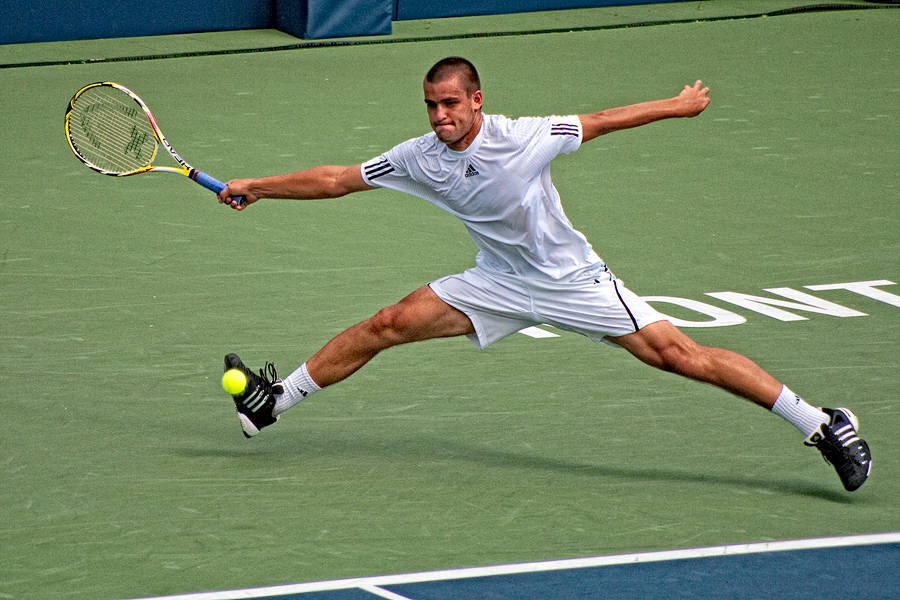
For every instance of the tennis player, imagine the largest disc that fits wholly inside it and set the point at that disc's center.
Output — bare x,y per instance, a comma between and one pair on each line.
533,266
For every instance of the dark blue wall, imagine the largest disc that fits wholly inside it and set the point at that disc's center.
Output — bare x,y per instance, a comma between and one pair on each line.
427,9
54,20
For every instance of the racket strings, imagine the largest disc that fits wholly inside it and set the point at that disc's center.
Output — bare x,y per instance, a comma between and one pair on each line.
111,131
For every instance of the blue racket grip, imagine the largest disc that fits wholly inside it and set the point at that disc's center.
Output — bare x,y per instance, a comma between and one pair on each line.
211,183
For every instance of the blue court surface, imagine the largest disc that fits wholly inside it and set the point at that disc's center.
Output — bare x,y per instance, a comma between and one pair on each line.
865,566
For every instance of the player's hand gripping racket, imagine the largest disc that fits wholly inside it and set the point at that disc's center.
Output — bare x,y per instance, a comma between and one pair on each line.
111,130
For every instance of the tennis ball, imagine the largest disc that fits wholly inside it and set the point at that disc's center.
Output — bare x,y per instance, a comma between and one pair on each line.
234,381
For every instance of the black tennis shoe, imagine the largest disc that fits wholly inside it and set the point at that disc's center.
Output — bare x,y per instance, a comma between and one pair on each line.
254,405
840,445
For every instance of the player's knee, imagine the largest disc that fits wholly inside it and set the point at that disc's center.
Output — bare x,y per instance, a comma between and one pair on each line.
389,325
688,359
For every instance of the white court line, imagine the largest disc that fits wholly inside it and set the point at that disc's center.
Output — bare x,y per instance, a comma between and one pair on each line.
382,593
370,584
537,332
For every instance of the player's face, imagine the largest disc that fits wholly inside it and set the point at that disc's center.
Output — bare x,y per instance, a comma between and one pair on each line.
455,116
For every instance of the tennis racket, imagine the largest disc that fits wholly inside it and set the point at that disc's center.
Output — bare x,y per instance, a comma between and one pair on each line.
111,130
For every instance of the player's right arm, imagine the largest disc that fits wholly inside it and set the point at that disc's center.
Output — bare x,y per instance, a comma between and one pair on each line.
310,184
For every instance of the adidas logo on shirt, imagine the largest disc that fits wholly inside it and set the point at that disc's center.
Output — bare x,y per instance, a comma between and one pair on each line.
471,171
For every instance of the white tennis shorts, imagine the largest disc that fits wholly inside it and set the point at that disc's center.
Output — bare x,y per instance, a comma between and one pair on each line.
499,305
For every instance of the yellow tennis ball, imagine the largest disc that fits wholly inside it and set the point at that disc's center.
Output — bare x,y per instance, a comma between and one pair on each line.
234,381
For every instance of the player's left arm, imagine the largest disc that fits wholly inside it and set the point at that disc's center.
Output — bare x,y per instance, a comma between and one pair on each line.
327,181
690,102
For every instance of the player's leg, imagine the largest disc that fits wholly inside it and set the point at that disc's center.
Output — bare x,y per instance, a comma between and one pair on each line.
832,431
664,346
419,316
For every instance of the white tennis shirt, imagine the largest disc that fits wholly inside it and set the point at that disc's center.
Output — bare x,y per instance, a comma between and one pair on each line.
500,188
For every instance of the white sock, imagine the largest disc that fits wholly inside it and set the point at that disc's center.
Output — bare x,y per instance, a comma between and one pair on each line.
297,386
798,413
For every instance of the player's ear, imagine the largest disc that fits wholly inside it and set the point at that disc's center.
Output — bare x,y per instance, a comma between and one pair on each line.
477,98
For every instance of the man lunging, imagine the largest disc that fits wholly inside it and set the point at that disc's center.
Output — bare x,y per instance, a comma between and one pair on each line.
533,266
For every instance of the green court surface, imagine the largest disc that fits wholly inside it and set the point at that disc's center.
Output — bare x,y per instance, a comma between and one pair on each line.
124,470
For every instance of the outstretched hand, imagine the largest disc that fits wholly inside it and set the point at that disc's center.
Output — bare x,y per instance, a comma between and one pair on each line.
693,99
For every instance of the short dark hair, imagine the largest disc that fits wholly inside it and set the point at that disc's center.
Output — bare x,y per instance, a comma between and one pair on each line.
453,65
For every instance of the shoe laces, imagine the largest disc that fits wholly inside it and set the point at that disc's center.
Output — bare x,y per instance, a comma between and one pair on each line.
269,375
839,441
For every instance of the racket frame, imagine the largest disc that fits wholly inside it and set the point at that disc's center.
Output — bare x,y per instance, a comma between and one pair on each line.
185,169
